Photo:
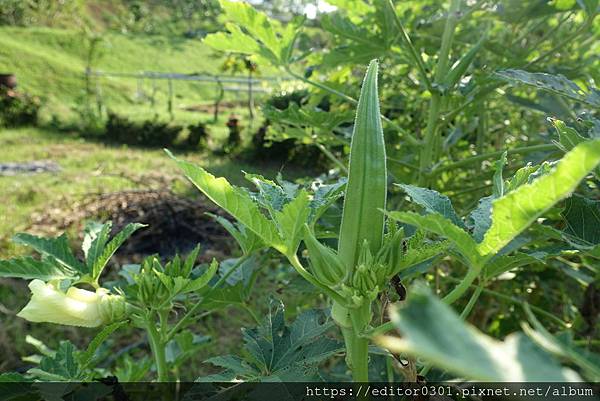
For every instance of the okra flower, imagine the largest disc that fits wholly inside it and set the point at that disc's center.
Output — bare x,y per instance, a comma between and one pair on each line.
76,307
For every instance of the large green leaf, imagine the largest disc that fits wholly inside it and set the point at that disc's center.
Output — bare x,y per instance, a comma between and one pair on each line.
85,358
252,32
433,331
309,124
62,366
344,27
235,201
433,202
275,351
237,41
246,239
557,84
514,212
438,224
29,268
58,248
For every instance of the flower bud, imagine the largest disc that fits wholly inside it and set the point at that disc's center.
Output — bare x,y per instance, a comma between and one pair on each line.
76,307
325,263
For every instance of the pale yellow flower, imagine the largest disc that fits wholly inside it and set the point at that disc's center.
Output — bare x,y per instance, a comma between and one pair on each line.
76,307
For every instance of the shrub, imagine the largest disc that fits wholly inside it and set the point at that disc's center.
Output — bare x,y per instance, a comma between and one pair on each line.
151,133
197,136
17,109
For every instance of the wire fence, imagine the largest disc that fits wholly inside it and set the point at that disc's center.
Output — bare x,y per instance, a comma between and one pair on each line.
251,84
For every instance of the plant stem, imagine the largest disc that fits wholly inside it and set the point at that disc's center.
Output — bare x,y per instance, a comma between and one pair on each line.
478,158
469,307
158,350
429,149
352,322
332,157
416,57
463,286
360,358
181,323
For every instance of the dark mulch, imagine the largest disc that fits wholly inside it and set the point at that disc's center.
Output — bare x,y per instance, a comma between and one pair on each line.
175,223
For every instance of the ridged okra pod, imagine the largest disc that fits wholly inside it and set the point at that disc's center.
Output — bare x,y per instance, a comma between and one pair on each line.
366,190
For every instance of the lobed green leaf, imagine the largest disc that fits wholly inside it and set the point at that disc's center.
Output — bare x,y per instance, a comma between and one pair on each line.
112,246
433,202
556,84
514,212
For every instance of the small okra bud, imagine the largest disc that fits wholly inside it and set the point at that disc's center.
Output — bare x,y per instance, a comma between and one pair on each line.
325,263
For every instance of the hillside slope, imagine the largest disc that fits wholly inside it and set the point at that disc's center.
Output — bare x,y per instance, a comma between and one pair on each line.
50,63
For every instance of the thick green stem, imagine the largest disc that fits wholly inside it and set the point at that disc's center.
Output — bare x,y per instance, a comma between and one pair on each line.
352,323
158,351
359,358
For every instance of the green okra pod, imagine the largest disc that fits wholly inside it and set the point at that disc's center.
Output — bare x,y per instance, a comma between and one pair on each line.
366,190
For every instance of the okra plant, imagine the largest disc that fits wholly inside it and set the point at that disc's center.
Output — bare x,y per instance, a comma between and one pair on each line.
446,112
372,249
160,298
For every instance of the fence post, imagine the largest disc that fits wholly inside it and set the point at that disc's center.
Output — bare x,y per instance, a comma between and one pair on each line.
99,101
221,94
250,96
170,101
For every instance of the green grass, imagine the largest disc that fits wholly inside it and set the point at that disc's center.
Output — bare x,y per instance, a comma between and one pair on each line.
50,63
